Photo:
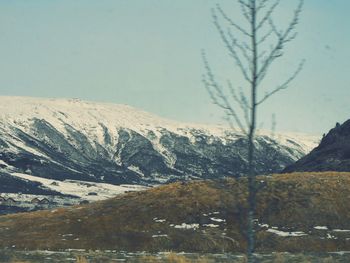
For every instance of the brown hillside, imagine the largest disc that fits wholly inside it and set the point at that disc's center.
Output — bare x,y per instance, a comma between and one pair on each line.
212,211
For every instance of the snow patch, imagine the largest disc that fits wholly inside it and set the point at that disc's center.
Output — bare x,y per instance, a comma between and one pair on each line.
159,220
286,234
329,236
186,226
85,190
341,230
217,219
321,227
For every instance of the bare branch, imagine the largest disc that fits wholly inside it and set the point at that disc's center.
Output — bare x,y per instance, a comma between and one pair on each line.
262,54
284,85
229,20
241,101
217,95
230,122
241,48
267,15
246,46
245,9
246,5
264,37
261,5
282,39
274,28
292,37
231,47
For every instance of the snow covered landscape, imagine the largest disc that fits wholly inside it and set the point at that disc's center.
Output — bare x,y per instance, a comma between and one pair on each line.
90,151
152,131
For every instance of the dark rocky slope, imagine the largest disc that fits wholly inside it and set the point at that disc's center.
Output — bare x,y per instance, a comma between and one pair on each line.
332,154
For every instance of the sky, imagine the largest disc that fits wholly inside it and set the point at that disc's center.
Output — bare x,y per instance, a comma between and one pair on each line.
147,53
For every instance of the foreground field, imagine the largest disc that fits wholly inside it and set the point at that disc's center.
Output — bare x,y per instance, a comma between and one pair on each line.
166,257
300,212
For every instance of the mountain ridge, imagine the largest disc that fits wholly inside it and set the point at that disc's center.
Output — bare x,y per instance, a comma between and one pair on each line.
71,139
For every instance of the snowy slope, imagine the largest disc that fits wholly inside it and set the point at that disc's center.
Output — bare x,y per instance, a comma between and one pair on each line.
84,190
70,139
94,119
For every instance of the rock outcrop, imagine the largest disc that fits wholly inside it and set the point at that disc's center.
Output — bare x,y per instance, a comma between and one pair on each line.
332,154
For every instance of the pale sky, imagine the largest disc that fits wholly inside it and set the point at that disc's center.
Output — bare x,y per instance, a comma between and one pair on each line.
146,53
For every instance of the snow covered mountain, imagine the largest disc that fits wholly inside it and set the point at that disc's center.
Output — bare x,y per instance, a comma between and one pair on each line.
70,139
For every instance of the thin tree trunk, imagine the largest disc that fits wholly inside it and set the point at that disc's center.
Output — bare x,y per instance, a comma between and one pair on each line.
251,174
253,66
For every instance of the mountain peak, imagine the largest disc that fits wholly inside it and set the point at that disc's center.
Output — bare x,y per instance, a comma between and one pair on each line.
337,133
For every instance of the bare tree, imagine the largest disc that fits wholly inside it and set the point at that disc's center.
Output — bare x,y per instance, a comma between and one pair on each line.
254,47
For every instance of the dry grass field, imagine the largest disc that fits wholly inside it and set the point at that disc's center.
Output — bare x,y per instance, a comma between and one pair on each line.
299,212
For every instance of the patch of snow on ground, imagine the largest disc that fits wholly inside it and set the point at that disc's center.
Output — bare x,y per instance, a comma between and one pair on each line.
85,190
321,227
286,234
217,219
329,236
67,235
159,220
264,225
186,226
341,230
340,252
